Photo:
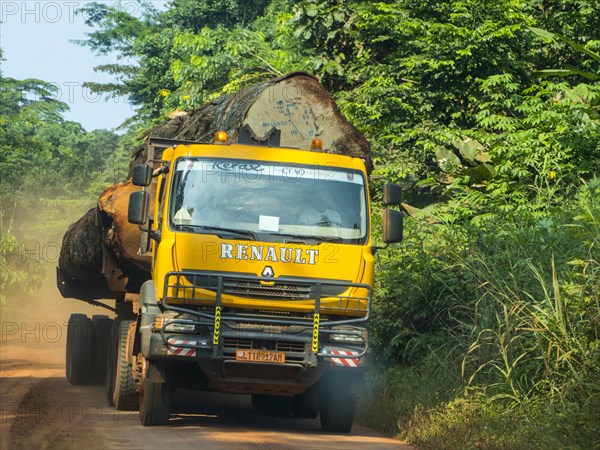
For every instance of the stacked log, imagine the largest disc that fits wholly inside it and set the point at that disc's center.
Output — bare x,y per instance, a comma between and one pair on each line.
99,254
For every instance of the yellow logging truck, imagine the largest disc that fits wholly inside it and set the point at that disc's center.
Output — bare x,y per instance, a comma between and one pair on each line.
262,274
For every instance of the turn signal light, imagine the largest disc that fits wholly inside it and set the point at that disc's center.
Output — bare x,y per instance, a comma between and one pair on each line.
159,321
316,144
220,137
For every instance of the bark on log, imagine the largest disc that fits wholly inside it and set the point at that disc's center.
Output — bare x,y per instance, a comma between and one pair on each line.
81,250
99,253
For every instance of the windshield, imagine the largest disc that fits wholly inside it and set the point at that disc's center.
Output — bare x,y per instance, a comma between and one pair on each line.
281,201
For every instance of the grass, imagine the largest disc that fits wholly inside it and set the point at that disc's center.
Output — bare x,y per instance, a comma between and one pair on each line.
505,320
409,404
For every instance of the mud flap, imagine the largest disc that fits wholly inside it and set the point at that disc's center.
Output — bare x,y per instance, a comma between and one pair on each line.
157,372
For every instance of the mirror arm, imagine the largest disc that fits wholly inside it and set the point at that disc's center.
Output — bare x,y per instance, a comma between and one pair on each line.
162,169
375,248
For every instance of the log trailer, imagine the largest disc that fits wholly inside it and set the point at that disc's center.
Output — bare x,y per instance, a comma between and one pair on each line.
262,267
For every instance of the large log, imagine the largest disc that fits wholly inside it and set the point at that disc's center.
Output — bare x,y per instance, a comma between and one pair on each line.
297,104
99,253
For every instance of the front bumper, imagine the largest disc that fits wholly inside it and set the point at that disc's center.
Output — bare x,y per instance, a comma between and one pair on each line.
313,343
301,370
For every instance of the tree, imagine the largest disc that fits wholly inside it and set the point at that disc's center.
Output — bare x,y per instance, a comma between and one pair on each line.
43,161
28,107
42,156
150,45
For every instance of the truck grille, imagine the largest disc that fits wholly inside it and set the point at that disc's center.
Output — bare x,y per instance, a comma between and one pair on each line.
253,289
277,291
237,343
192,287
286,346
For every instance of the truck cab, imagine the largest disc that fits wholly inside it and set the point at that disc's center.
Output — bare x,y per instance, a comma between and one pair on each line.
262,275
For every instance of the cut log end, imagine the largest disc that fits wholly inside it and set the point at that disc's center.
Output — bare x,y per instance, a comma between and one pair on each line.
297,104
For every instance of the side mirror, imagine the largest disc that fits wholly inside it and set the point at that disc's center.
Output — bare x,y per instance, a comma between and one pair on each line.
392,194
142,175
392,226
137,212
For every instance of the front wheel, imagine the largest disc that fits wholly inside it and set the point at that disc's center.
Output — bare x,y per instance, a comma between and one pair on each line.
155,395
120,385
337,407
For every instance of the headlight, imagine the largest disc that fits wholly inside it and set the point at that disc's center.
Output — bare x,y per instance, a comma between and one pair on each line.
170,325
358,336
180,327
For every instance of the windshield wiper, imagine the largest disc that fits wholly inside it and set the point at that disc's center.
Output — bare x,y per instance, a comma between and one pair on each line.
248,233
309,237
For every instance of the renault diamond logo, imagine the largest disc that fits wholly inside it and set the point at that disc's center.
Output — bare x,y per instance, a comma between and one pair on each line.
268,272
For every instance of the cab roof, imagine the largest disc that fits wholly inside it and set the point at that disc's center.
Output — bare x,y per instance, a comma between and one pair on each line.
259,153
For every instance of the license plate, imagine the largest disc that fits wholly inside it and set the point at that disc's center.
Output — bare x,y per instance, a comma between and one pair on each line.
260,356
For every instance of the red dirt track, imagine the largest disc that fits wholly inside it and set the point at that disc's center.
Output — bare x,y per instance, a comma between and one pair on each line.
40,409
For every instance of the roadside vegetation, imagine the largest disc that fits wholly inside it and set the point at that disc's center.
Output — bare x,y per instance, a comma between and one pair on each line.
487,318
52,170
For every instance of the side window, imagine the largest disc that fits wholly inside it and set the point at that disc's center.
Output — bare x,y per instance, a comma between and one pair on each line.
161,197
177,191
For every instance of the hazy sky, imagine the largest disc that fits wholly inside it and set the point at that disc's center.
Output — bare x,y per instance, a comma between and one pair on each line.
35,38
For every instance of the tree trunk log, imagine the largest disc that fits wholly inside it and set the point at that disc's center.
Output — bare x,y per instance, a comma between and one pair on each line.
297,104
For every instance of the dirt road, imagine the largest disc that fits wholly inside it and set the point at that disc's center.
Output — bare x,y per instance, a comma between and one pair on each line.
39,409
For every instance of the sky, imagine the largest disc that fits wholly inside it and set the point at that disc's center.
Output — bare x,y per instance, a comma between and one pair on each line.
35,38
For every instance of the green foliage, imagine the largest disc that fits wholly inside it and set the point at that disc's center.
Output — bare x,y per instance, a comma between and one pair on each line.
394,393
431,415
570,70
132,38
512,299
475,423
44,158
46,164
190,52
240,56
195,15
407,73
26,109
20,273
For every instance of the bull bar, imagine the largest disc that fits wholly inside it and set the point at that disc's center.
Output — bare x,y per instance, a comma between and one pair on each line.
333,304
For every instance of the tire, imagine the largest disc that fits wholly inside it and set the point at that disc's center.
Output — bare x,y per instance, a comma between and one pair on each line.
111,362
337,406
69,352
80,350
102,327
124,396
155,400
